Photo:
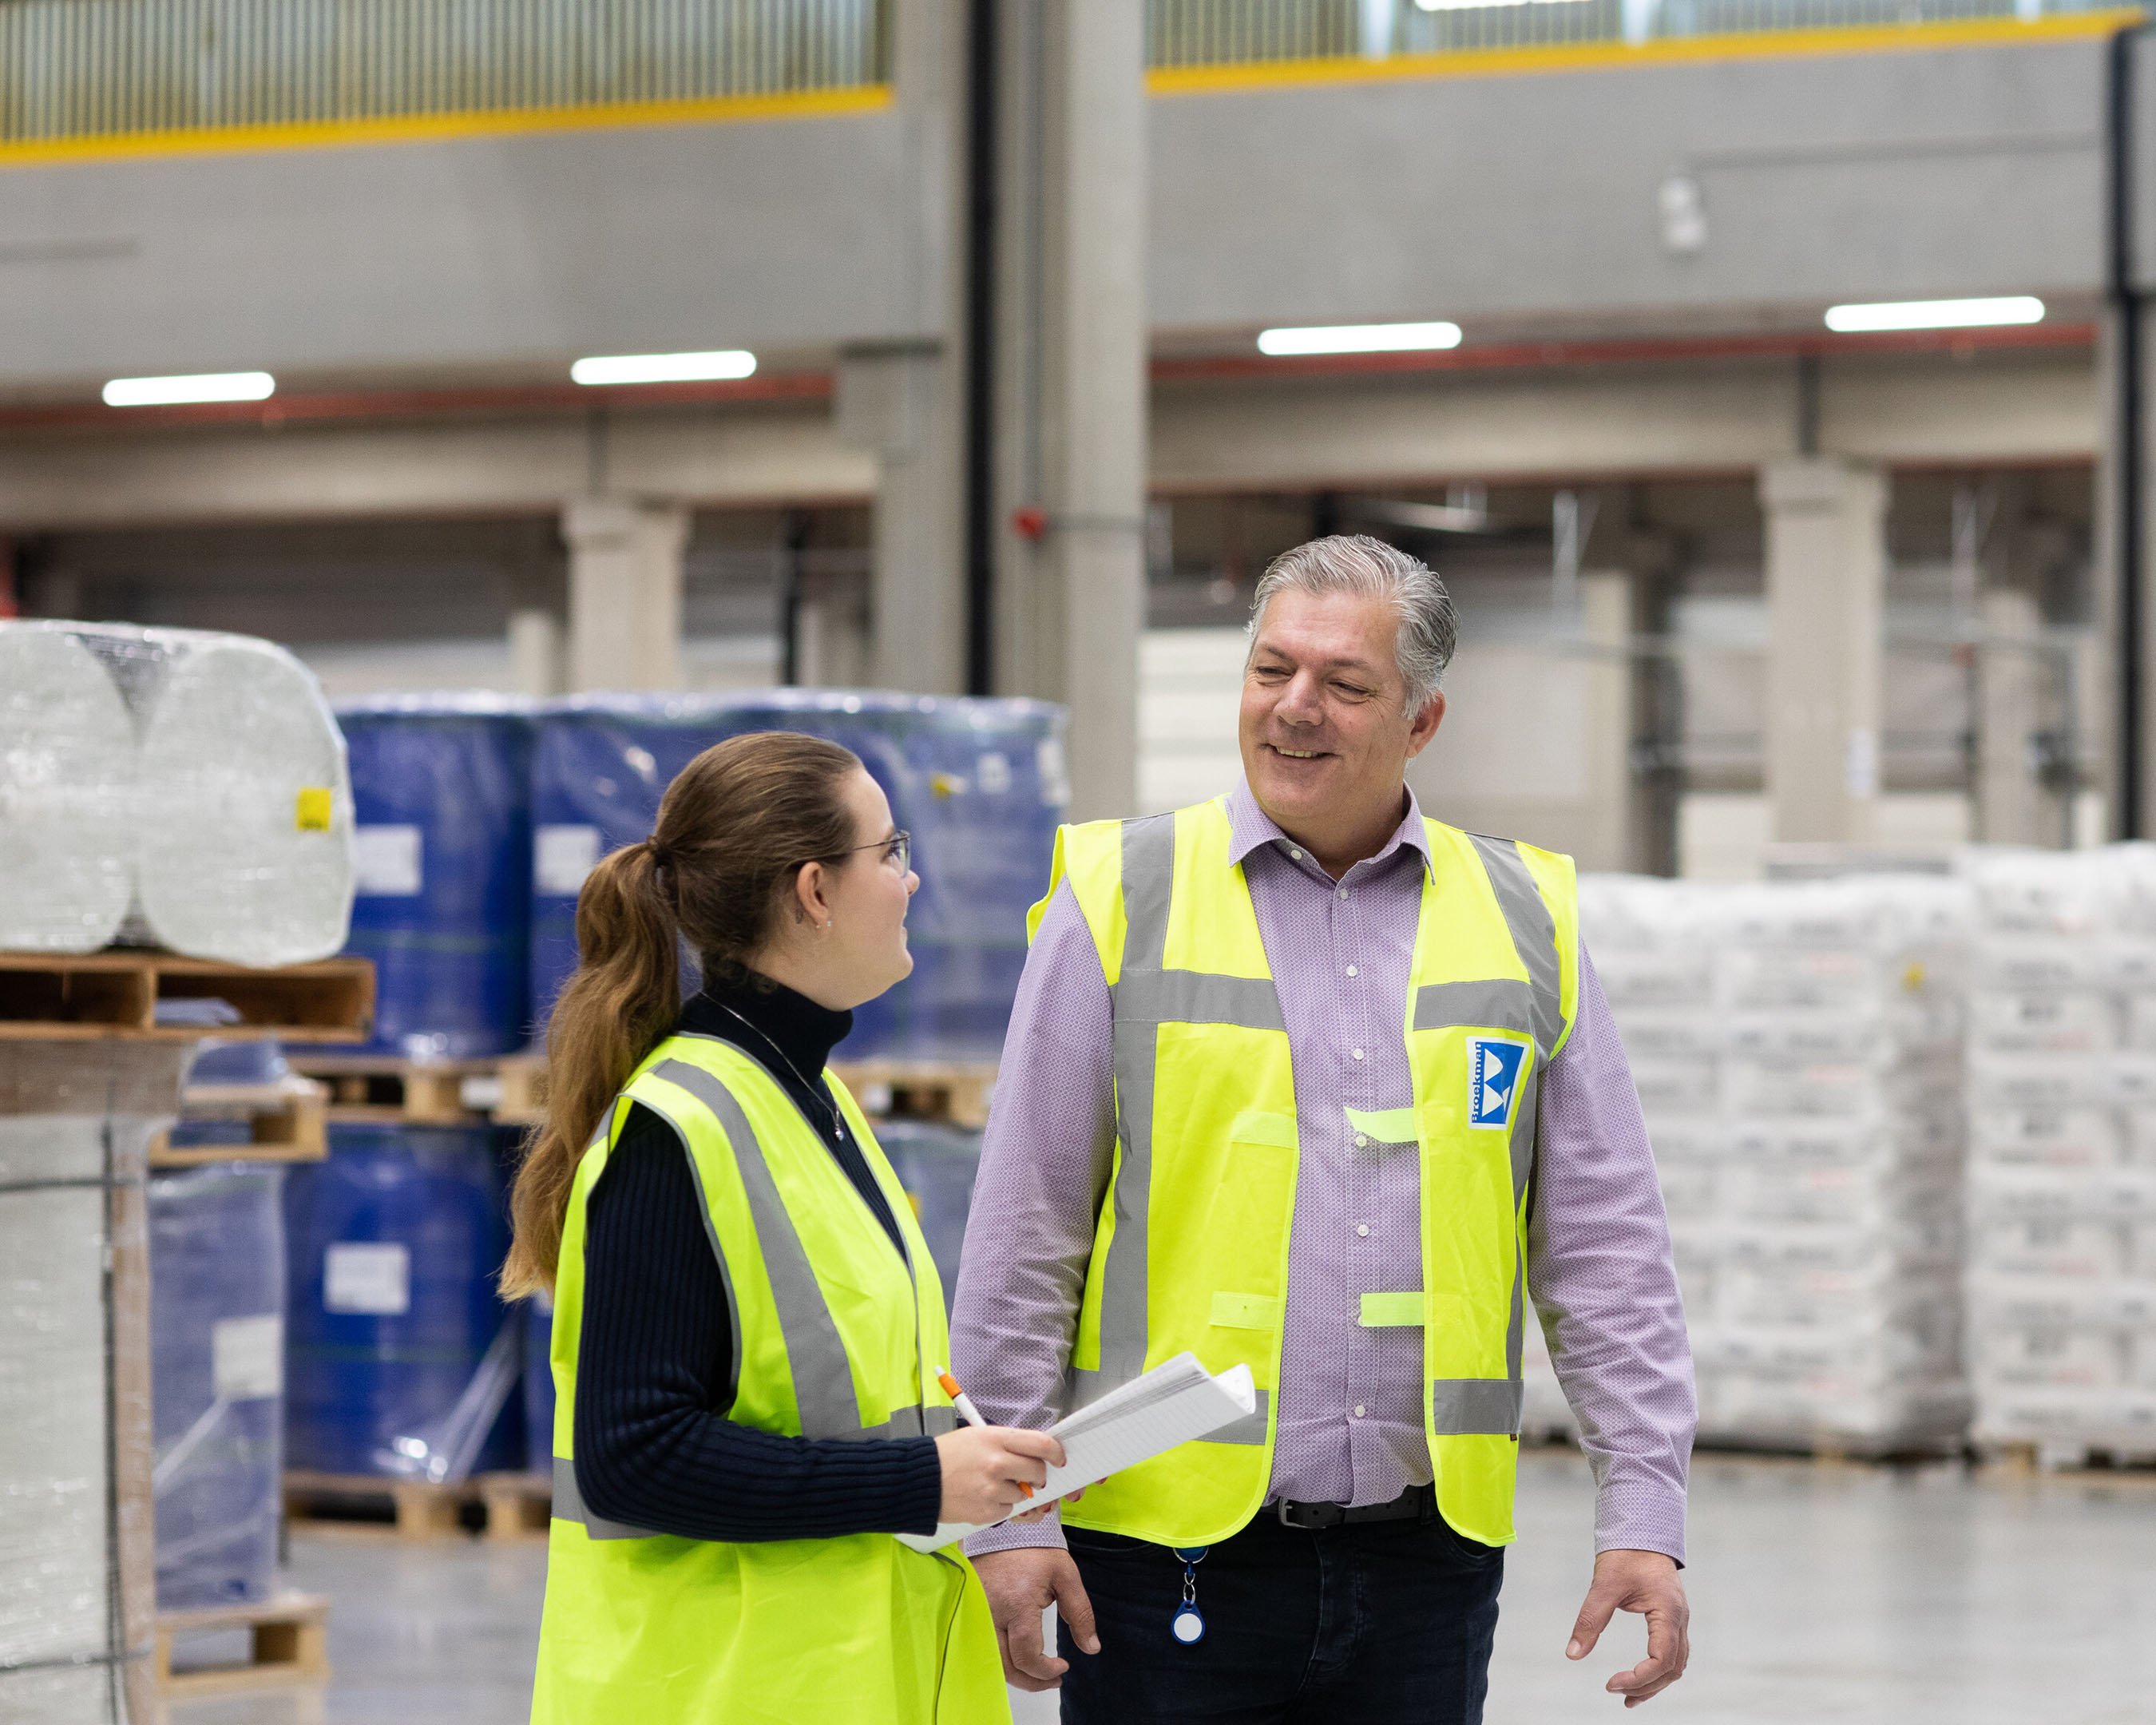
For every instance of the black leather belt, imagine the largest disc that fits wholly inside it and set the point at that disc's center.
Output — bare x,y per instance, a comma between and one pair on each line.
1416,1503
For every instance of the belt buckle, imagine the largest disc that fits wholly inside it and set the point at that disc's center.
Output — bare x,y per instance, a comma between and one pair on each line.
1320,1516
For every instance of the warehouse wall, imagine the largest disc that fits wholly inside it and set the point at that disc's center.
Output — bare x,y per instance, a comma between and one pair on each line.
1962,169
1969,170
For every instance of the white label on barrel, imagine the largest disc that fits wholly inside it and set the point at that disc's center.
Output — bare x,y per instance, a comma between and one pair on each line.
370,1276
385,861
247,1357
561,857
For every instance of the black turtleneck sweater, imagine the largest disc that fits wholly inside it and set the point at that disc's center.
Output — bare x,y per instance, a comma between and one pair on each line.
654,1448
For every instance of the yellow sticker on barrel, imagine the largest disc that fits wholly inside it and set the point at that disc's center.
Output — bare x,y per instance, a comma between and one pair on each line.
313,813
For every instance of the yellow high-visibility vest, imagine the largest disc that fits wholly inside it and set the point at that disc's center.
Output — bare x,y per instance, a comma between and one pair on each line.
836,1335
1190,1248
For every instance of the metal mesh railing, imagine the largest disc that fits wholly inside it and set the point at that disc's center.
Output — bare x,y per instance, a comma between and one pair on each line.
1216,32
78,69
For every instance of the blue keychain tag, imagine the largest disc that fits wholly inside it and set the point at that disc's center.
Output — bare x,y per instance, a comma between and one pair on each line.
1188,1626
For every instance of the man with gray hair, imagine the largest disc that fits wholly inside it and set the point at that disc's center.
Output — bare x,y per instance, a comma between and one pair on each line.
1301,1081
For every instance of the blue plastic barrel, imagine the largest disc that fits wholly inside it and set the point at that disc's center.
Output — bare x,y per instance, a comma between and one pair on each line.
441,795
257,1060
392,1244
539,1384
217,1358
935,1164
979,783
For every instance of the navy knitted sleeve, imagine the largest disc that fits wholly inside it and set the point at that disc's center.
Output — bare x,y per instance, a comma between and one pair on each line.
654,1447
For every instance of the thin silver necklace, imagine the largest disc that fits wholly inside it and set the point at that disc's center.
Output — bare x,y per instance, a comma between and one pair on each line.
837,1122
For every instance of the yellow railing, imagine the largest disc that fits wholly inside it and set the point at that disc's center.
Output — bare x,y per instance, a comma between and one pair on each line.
1195,33
81,70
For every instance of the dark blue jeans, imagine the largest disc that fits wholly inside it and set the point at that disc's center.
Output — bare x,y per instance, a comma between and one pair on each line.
1383,1623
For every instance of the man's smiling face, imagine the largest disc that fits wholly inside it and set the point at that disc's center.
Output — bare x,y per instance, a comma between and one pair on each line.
1325,729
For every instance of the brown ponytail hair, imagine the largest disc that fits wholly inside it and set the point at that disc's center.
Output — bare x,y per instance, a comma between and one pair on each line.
733,831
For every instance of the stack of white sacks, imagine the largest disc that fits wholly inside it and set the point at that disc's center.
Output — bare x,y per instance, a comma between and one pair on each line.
173,787
1798,1051
2062,1151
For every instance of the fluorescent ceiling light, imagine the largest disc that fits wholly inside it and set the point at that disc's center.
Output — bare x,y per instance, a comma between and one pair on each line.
1360,338
206,386
1935,314
664,367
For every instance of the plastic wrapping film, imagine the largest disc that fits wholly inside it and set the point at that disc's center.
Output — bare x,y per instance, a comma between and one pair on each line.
1797,1047
980,784
176,786
937,1165
217,1330
400,1358
75,1535
441,791
2061,1075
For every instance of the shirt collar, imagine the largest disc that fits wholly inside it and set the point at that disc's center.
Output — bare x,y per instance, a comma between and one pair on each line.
1249,827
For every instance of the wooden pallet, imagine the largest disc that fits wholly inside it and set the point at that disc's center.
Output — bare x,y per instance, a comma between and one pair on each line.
384,1089
956,1092
63,996
288,1648
2087,1463
511,1506
288,1121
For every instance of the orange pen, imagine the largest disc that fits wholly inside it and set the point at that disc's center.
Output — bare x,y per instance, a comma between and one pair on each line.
968,1412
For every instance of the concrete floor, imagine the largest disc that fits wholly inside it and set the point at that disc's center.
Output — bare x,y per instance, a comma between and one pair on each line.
1850,1594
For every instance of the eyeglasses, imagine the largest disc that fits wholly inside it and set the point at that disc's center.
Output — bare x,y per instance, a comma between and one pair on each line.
897,852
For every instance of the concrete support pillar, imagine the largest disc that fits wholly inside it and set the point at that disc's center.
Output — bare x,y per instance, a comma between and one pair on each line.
624,592
1826,566
1070,379
903,402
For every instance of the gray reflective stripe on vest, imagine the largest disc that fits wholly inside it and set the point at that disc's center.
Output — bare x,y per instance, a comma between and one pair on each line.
815,1354
569,1507
718,1253
1534,938
1476,1407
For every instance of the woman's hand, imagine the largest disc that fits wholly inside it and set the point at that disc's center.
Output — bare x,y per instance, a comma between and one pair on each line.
983,1466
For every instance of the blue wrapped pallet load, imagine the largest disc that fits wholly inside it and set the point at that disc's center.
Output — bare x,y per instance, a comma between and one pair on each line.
539,1384
980,784
442,841
402,1360
217,1354
935,1164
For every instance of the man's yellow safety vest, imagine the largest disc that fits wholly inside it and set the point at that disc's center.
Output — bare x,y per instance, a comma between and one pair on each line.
1190,1249
835,1336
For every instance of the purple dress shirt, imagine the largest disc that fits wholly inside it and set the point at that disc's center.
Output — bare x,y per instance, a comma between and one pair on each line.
1351,1399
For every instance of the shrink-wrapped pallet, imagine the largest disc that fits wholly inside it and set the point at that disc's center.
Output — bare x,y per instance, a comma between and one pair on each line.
2061,1085
75,1569
1796,1047
181,787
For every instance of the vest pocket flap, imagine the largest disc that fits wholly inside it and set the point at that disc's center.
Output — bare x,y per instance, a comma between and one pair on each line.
1254,1126
1246,1312
1387,1126
1383,1311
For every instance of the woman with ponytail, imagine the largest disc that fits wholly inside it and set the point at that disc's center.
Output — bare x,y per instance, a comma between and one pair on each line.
747,1326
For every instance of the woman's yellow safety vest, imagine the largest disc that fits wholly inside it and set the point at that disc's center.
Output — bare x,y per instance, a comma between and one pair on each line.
836,1335
1190,1248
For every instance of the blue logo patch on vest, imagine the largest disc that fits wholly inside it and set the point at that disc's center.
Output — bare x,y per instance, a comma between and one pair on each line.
1494,1066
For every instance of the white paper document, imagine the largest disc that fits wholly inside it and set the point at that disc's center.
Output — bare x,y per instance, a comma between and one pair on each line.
1177,1400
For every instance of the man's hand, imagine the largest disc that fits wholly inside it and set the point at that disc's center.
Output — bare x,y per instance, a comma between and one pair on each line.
1643,1581
1022,1583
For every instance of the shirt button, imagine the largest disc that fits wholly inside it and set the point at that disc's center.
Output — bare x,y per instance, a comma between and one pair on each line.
1352,971
1297,854
1343,892
1358,1054
1361,1142
1359,1410
1362,1229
